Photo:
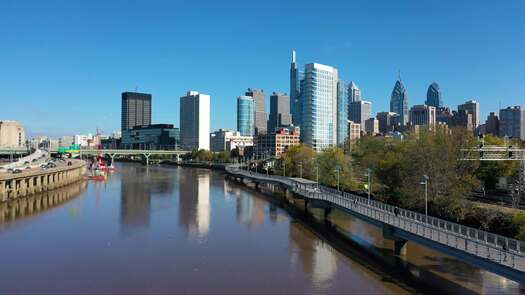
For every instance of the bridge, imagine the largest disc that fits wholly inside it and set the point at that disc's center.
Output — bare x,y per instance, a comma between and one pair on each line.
145,153
498,254
14,151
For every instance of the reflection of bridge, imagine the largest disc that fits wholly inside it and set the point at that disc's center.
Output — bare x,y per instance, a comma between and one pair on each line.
498,254
145,153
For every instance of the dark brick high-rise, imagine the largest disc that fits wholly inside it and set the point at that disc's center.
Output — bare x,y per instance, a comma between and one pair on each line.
136,110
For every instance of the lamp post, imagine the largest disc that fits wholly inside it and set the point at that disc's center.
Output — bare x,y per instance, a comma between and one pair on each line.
424,181
368,175
337,170
301,169
317,175
284,169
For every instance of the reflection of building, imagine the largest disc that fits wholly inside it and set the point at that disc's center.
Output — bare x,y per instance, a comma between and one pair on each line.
156,136
195,121
12,134
276,143
250,210
227,140
194,202
135,198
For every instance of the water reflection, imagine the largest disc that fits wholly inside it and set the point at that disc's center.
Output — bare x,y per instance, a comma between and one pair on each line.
194,202
38,203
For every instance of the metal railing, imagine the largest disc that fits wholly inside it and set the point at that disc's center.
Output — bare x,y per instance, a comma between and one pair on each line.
496,248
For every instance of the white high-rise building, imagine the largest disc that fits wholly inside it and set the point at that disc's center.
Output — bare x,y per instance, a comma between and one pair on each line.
195,121
319,105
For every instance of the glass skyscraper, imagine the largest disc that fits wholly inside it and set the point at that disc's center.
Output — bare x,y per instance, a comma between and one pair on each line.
434,96
354,93
399,102
295,100
319,105
245,115
342,113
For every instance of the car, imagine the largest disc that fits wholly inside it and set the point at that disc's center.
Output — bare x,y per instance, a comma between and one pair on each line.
26,162
34,160
16,171
69,163
28,167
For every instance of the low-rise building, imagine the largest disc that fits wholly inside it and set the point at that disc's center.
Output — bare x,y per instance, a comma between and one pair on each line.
372,126
354,131
275,144
66,141
386,121
227,140
422,115
155,136
12,134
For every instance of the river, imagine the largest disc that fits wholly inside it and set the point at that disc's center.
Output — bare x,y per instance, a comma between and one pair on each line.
173,230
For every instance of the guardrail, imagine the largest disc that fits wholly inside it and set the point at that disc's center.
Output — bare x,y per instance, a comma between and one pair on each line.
496,248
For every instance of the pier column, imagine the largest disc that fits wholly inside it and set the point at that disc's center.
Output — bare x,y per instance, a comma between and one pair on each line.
3,191
31,187
14,189
400,245
38,187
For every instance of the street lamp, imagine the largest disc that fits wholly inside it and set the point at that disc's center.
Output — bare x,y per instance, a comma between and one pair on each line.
284,169
368,174
337,170
317,175
301,169
424,181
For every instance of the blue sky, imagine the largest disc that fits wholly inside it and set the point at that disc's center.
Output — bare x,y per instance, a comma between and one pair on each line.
64,63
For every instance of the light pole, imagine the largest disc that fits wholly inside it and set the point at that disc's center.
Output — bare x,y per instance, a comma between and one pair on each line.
317,175
284,169
424,181
337,170
301,169
368,175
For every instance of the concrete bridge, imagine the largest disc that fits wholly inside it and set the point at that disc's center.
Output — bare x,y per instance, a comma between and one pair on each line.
145,153
501,255
33,181
13,151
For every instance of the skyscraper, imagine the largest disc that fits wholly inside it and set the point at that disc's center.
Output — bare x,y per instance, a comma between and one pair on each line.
295,105
360,111
399,102
472,107
319,105
423,115
386,121
279,111
136,110
512,122
245,115
259,101
492,124
434,96
342,113
354,93
195,121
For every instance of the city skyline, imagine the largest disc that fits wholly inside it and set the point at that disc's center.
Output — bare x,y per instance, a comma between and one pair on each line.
73,72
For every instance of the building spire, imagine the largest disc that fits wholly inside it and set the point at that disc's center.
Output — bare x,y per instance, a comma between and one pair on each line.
399,75
293,56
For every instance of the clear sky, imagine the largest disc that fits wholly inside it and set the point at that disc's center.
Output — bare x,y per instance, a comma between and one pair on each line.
63,64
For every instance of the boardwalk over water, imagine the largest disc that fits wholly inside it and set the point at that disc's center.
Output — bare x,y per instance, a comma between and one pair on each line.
495,253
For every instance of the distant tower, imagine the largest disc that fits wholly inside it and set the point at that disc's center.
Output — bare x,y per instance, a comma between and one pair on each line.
259,107
245,115
354,93
136,110
434,96
295,104
399,102
195,121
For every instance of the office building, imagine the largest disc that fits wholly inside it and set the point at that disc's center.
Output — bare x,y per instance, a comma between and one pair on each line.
66,141
195,121
227,140
386,121
259,106
472,107
279,111
354,93
342,113
372,126
276,143
354,131
319,103
12,134
83,140
360,111
423,115
492,124
295,97
399,102
245,115
512,122
136,110
462,119
434,96
151,137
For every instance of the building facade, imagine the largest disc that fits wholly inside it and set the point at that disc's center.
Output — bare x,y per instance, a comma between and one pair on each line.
434,96
12,134
354,131
472,107
342,112
360,111
259,106
492,124
136,110
354,93
386,121
227,140
245,115
276,143
399,102
372,126
279,111
423,115
319,103
151,137
295,103
195,121
512,122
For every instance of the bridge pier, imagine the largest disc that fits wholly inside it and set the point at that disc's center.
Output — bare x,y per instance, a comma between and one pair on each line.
146,156
112,157
400,245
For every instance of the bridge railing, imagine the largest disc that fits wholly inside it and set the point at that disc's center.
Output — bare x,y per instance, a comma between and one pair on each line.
497,248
